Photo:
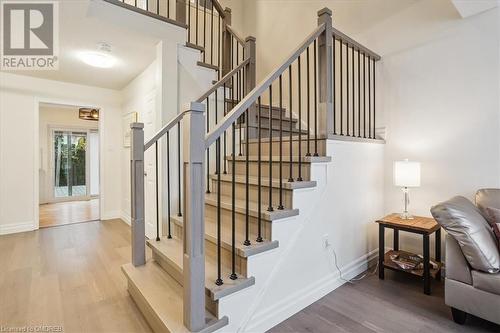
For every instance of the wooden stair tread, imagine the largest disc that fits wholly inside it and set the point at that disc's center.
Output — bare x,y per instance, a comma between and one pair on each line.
276,214
162,297
275,128
287,139
252,180
171,250
286,159
241,250
195,46
207,65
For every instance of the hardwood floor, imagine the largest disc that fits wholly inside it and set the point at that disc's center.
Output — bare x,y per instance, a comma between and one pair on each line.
62,213
396,304
70,277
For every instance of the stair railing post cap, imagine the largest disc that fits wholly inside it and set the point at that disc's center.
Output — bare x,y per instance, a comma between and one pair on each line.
227,10
137,125
194,106
250,39
326,11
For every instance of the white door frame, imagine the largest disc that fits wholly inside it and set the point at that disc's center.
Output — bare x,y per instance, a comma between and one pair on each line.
36,153
51,166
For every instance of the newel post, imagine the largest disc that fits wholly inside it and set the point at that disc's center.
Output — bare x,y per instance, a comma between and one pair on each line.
325,73
180,11
137,193
250,77
194,212
226,42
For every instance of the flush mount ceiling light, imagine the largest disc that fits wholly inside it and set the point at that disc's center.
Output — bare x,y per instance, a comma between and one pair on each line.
101,58
88,114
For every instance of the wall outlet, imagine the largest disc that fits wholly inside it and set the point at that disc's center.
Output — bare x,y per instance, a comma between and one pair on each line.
325,241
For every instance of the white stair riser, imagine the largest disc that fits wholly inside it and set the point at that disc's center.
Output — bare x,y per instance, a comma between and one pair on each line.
226,190
253,169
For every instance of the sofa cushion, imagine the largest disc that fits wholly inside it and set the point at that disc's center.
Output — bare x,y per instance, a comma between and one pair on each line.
463,221
486,282
488,198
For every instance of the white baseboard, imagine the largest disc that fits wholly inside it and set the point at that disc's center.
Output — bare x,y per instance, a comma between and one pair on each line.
110,215
125,217
284,309
13,228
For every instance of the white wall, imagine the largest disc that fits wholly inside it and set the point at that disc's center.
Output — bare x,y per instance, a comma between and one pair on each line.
438,85
19,152
60,117
441,106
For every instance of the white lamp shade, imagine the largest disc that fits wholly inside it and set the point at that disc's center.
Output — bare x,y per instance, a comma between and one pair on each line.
406,173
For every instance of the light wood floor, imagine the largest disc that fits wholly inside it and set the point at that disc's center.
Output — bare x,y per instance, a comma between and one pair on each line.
68,212
396,304
68,276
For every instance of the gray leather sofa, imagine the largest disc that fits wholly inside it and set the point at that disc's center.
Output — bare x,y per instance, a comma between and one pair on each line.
472,284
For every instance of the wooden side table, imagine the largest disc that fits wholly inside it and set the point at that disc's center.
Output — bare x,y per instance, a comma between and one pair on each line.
424,226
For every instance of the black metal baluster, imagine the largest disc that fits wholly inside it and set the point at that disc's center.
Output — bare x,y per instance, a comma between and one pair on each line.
369,100
207,116
219,37
197,9
308,153
347,88
157,196
189,20
217,167
225,136
374,94
247,183
158,8
353,102
280,206
204,31
299,84
168,8
270,205
341,90
290,142
334,90
316,102
168,186
212,34
364,95
233,275
259,179
239,99
179,211
359,94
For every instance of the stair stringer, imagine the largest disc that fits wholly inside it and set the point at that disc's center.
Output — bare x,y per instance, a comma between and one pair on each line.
267,266
346,201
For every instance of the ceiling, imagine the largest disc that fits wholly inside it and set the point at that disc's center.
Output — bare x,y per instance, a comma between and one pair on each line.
77,33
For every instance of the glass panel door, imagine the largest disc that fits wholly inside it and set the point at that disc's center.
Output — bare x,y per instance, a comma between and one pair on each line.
70,165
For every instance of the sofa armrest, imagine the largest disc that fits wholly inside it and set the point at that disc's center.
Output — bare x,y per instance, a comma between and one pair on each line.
457,267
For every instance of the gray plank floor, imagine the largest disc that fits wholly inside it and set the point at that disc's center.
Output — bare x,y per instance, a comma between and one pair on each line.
396,304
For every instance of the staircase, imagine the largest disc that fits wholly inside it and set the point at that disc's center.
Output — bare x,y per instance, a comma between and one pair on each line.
247,155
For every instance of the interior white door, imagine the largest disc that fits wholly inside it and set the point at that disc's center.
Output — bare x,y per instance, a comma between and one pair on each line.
149,117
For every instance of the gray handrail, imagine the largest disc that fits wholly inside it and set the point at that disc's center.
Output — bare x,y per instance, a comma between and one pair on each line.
252,97
235,35
164,130
219,8
351,42
221,82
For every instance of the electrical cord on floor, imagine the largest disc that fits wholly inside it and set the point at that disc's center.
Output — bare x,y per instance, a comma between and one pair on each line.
353,280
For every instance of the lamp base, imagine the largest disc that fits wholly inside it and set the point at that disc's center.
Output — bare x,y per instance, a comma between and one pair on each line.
406,216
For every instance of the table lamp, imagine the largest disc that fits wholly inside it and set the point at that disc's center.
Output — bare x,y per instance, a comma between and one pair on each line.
406,175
